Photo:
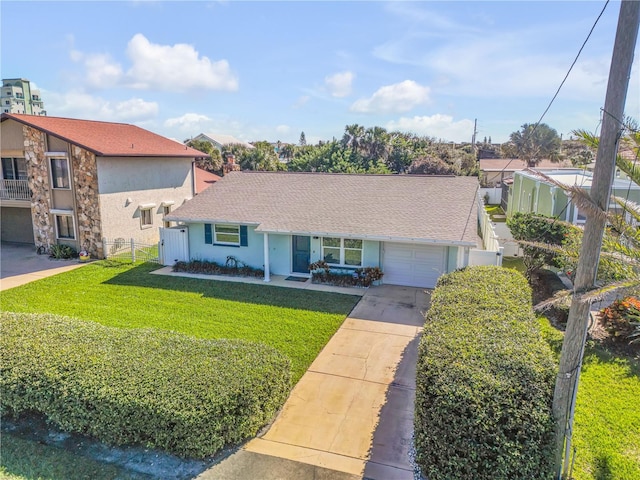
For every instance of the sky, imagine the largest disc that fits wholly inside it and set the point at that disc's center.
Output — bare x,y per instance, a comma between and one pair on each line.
270,70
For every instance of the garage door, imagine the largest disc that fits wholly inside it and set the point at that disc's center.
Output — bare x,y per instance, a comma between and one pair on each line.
412,265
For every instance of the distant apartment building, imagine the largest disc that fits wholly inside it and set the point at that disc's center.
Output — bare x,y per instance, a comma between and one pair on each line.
18,97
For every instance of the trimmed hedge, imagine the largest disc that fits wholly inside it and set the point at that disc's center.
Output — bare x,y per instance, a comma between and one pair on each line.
150,387
485,381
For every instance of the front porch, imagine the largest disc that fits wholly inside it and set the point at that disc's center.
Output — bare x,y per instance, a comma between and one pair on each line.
275,280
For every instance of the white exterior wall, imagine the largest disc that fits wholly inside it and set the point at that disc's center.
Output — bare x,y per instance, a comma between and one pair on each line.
127,183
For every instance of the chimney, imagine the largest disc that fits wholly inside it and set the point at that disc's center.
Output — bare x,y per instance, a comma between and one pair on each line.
230,164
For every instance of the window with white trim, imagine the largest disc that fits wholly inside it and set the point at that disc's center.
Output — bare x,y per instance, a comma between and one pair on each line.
342,251
65,226
60,173
224,234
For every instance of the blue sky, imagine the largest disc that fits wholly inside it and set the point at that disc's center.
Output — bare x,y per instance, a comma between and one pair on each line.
269,70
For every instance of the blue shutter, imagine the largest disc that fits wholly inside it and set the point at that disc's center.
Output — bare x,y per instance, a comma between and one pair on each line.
208,238
244,241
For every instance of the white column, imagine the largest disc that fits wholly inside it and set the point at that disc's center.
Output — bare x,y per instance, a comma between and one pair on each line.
267,276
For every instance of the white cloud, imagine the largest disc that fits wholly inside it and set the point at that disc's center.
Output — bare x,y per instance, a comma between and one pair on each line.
100,70
83,105
400,97
283,129
188,121
339,84
438,125
177,68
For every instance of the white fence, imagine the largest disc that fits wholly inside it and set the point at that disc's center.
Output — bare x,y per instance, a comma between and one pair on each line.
492,253
14,190
491,196
130,249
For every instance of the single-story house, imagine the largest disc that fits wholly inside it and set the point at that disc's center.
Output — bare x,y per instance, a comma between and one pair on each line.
75,182
414,227
530,193
494,171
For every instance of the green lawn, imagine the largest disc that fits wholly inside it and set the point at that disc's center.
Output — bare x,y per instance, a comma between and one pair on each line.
607,420
297,322
515,263
29,460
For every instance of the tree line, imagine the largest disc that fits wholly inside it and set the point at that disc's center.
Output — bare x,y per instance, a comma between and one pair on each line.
377,150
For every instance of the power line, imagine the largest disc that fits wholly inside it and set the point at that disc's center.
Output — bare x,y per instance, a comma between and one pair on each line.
532,131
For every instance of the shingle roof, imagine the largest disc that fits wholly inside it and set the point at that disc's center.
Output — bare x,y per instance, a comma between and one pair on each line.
204,179
107,139
515,164
223,139
400,207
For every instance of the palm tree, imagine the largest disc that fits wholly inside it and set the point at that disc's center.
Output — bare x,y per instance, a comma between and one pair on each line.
353,135
532,143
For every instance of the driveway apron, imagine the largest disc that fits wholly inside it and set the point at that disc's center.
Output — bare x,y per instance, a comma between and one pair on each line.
351,414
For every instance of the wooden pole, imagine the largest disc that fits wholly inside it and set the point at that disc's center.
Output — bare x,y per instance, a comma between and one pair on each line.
577,324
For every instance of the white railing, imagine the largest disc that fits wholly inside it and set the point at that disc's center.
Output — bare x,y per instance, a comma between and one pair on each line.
14,190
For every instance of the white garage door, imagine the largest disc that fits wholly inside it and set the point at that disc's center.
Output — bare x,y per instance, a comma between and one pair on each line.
412,265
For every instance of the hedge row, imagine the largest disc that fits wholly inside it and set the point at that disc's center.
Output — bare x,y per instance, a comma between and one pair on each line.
485,380
149,387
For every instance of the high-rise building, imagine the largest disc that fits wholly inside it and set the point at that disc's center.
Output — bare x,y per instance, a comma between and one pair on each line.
18,97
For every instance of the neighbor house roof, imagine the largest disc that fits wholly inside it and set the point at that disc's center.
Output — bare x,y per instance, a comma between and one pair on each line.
580,178
107,139
438,209
204,179
223,140
515,164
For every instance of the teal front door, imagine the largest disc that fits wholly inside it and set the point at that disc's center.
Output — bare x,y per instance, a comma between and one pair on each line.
301,253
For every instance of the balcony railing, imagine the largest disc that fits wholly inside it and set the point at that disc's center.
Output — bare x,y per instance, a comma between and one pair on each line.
14,190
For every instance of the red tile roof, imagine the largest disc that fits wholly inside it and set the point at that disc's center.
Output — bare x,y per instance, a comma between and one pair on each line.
204,179
107,139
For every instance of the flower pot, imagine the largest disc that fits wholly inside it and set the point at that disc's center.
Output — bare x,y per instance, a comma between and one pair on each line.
84,258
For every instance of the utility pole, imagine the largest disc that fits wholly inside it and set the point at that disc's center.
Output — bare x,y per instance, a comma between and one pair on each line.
566,388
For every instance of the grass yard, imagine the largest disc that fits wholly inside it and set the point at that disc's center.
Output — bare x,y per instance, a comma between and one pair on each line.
607,420
515,263
29,460
297,322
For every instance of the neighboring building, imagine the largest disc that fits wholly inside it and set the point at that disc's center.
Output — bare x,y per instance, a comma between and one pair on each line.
531,193
219,141
494,171
18,97
414,227
75,182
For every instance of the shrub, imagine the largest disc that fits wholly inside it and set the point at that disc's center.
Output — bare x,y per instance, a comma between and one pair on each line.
620,319
322,272
232,266
61,252
150,387
485,380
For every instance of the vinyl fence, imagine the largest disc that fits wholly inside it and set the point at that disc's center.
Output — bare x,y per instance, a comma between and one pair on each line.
493,251
130,250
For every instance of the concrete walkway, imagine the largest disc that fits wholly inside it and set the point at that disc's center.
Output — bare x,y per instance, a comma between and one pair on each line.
20,264
351,414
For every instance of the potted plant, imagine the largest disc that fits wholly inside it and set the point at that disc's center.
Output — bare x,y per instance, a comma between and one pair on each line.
83,255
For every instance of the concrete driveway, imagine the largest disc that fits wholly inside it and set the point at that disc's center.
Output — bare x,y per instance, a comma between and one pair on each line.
351,414
20,264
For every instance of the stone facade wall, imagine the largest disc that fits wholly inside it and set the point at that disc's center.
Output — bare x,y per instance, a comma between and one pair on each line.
40,186
87,200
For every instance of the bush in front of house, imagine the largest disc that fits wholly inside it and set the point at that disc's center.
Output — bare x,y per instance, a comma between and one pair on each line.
322,272
160,389
621,320
232,266
485,380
